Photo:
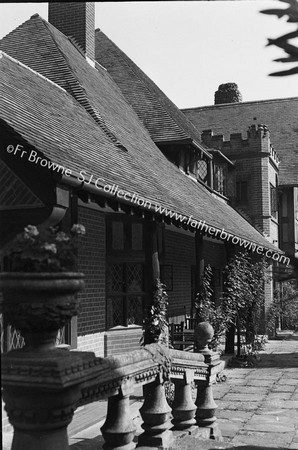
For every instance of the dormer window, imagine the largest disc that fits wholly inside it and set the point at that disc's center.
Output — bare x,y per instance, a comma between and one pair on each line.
202,170
220,179
223,174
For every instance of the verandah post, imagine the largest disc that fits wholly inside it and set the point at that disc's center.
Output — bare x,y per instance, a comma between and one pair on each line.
199,269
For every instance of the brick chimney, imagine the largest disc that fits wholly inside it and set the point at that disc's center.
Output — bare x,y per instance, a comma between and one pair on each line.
76,20
227,93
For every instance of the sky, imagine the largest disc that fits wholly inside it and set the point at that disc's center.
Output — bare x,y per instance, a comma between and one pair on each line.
189,48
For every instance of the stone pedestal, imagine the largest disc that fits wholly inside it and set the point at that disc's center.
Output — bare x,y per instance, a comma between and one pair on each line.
206,406
41,392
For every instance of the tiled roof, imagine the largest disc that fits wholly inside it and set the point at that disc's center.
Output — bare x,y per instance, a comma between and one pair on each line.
280,115
54,123
159,114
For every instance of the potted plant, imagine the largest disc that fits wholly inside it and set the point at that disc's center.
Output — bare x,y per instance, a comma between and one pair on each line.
39,288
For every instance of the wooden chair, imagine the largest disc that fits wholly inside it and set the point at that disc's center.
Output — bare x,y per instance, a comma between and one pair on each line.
176,333
190,323
180,339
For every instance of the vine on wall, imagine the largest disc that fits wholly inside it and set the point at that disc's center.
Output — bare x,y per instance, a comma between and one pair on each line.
155,325
242,300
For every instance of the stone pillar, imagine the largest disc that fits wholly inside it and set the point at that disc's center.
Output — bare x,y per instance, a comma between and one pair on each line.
41,383
39,418
119,430
183,408
156,415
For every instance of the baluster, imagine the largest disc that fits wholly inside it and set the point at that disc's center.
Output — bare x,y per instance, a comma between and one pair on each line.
206,406
183,408
119,429
156,415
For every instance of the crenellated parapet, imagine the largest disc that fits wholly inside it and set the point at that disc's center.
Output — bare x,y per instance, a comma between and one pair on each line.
256,142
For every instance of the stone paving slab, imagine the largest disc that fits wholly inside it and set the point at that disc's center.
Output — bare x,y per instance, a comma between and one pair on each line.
269,417
270,423
262,439
248,390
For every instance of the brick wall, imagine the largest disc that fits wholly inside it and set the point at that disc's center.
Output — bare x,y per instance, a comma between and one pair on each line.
122,340
91,261
180,253
256,163
92,343
76,19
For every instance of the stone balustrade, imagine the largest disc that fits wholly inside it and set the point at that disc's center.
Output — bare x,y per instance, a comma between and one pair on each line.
43,384
41,390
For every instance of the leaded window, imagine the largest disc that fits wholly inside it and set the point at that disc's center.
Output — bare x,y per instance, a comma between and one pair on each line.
125,293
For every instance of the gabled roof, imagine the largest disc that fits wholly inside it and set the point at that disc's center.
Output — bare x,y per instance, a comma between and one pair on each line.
280,115
158,113
55,124
46,50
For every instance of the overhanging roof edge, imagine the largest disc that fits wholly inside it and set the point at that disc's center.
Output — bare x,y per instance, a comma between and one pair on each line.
92,189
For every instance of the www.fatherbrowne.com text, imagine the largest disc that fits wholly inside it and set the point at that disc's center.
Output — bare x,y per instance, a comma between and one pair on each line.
142,202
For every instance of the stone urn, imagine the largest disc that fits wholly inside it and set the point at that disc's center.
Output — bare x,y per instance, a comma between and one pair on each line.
41,383
39,304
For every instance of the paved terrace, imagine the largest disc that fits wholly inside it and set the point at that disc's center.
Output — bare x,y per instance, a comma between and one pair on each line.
257,407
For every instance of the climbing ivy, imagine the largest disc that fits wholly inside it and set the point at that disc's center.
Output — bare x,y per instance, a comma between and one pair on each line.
242,299
284,310
207,311
155,325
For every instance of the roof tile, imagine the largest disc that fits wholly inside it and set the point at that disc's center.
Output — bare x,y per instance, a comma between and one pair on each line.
69,136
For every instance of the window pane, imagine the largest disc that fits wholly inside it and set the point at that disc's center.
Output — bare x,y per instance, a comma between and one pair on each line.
202,170
218,179
117,236
115,278
134,278
114,311
134,310
273,201
137,236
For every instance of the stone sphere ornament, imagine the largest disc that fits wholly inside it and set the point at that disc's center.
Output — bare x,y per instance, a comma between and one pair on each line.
204,333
